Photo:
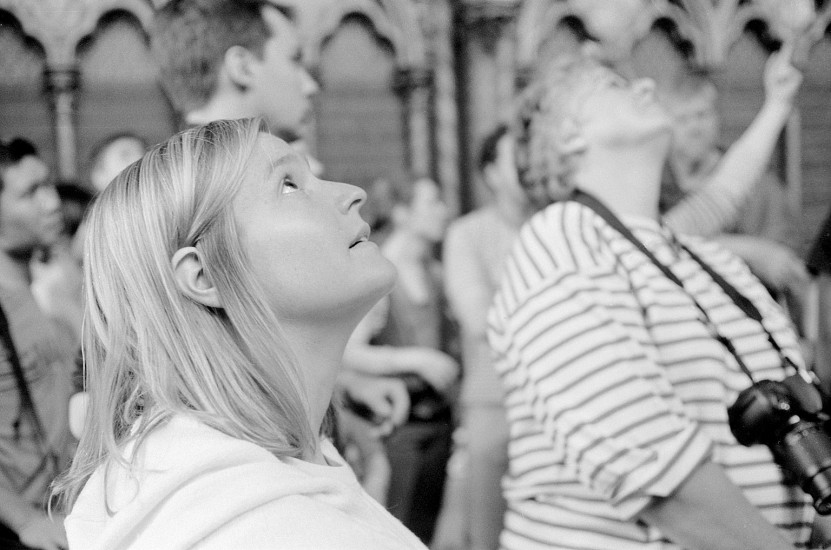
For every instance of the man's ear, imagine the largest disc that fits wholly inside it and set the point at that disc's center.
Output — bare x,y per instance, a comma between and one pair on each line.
191,279
570,139
239,66
490,176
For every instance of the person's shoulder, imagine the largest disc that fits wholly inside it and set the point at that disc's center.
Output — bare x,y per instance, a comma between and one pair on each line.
552,244
472,223
560,229
187,481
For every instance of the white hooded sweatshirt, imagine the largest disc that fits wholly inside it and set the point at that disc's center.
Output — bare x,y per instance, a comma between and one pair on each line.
199,488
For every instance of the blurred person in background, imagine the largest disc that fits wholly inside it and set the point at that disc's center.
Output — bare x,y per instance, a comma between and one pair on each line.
111,155
474,252
57,272
37,360
403,338
764,231
227,59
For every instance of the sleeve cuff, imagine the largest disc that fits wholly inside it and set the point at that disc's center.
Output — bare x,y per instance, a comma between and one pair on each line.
673,465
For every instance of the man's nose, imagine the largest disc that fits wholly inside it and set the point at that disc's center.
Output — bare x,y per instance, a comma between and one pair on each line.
310,86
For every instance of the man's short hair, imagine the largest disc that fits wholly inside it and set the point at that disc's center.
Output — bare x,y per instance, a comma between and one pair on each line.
189,39
489,149
12,151
75,199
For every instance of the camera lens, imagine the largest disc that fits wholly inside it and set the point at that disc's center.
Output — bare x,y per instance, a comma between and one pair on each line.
805,451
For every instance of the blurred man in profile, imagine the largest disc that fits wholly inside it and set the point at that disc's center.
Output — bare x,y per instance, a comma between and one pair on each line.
37,357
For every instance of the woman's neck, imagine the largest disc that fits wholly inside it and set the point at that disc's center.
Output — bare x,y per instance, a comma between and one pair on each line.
318,347
627,181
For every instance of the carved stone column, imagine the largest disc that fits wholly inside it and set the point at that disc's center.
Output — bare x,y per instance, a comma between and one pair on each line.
61,84
488,78
414,87
446,123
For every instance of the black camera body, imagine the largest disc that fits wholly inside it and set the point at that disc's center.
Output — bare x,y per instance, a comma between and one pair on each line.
788,418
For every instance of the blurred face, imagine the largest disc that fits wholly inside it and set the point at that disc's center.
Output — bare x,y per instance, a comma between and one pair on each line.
115,158
502,175
30,215
282,88
306,239
617,112
695,126
427,213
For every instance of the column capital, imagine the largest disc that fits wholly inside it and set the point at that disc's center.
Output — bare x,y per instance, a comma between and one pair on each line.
488,12
59,79
408,79
489,20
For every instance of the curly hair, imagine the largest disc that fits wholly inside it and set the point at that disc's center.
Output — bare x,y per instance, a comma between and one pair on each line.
541,109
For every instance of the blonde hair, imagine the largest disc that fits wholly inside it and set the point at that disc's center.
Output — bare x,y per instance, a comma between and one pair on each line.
150,352
539,113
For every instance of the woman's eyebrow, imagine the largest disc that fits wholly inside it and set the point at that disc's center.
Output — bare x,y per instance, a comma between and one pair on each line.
281,161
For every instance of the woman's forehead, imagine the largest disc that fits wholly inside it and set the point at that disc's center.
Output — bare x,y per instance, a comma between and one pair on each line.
272,150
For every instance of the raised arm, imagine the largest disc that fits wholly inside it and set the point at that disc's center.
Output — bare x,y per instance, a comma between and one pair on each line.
714,206
437,368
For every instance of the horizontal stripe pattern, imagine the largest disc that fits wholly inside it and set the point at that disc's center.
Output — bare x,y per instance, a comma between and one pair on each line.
615,390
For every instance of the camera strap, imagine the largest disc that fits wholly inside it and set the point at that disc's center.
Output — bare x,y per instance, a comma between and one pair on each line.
741,301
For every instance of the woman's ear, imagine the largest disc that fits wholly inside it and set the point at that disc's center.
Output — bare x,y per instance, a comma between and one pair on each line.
570,139
191,278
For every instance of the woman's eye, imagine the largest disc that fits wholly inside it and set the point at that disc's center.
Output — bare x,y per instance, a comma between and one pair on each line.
288,186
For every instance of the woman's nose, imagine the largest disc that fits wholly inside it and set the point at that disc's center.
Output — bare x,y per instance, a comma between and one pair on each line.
349,196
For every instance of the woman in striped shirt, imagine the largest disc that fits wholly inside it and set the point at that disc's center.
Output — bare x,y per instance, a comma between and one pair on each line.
616,390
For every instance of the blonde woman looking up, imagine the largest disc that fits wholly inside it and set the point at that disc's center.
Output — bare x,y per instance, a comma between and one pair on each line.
222,283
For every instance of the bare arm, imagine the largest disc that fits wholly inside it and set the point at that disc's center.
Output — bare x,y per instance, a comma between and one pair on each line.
467,292
708,211
33,526
708,512
437,368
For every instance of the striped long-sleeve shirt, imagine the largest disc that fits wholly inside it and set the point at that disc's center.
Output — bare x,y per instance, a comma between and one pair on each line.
615,389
